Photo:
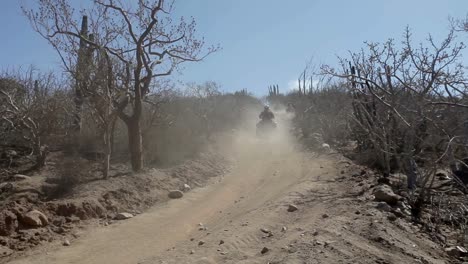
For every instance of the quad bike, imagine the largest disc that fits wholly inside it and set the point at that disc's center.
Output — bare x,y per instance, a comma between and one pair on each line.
265,127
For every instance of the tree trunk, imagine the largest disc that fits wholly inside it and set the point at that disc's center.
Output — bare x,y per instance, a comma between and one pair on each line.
107,153
135,143
41,154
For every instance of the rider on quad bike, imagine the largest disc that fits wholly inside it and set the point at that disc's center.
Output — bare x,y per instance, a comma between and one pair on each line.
290,108
266,123
266,115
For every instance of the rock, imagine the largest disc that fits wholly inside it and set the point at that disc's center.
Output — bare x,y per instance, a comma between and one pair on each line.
403,205
34,218
20,177
292,250
66,243
192,252
315,233
442,175
325,216
398,213
221,242
383,193
383,206
175,194
201,243
201,227
392,218
8,223
123,216
4,251
456,251
186,188
6,186
284,229
264,230
264,250
325,146
292,208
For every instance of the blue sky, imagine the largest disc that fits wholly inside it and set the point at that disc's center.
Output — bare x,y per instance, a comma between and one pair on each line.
263,41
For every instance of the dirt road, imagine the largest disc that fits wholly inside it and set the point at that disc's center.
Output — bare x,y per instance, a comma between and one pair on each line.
266,177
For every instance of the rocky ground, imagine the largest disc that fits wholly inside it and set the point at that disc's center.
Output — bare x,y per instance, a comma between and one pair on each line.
337,216
275,204
33,214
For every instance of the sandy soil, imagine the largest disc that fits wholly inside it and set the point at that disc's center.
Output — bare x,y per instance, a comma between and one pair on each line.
222,222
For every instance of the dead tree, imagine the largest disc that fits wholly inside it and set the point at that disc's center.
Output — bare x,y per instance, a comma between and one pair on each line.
31,109
399,97
142,37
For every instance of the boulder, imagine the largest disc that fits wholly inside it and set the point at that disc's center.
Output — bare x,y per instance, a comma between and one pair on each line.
123,216
456,251
383,193
175,194
34,218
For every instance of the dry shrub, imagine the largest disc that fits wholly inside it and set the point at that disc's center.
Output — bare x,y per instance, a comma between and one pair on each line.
71,171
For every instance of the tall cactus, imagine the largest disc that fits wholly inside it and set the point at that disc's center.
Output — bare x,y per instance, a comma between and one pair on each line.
273,90
81,75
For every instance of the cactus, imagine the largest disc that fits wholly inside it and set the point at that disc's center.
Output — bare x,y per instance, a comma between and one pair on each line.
81,74
273,90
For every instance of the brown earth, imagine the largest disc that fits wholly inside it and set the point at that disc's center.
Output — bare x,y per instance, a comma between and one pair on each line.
94,202
243,217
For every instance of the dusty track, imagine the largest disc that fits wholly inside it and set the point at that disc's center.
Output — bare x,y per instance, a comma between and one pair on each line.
267,175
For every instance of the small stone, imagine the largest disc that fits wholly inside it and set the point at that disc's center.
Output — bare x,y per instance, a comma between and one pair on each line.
383,206
264,250
123,216
192,252
325,216
66,243
20,177
398,213
264,230
201,243
292,250
392,218
357,212
292,208
284,229
175,194
221,242
315,233
186,188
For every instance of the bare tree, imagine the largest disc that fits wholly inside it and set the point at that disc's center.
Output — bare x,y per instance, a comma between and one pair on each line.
401,99
32,107
142,36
